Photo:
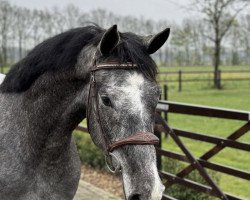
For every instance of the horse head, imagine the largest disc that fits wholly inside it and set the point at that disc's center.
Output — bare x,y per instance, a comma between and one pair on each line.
122,101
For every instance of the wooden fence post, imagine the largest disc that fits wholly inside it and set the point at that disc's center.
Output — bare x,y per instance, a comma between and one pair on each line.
180,79
165,87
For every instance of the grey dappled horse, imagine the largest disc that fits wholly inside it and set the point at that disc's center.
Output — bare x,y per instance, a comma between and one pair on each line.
44,97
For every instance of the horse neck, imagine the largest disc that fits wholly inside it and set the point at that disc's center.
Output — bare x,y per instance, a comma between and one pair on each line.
47,114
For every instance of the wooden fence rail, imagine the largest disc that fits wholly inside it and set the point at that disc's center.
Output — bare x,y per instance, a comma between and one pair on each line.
201,163
180,77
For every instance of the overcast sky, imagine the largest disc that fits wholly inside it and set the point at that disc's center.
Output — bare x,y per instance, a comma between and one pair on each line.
172,10
154,9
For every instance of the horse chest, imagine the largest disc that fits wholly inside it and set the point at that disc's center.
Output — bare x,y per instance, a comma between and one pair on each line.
53,181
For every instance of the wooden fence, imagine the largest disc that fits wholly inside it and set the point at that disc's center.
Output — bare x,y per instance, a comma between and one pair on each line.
179,77
201,163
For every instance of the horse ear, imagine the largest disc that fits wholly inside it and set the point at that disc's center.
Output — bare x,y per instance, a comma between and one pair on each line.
155,42
109,40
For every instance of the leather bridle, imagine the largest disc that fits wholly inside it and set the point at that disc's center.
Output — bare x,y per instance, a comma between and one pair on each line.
138,138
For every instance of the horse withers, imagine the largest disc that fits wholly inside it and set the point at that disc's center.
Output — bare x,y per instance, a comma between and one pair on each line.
47,94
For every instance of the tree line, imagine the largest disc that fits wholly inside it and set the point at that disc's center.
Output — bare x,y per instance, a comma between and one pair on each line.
191,42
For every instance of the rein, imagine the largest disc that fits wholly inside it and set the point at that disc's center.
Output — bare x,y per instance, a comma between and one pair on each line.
138,138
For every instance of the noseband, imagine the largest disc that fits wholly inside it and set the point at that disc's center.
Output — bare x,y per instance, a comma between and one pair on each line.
138,138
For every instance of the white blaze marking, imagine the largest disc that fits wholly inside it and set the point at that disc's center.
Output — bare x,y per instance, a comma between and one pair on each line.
132,92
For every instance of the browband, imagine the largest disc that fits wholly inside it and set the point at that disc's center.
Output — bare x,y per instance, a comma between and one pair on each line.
114,65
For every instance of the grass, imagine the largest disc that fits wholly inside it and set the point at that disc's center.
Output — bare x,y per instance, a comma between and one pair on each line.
4,69
235,96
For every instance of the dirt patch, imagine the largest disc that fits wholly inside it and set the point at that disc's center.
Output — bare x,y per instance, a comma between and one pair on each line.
103,180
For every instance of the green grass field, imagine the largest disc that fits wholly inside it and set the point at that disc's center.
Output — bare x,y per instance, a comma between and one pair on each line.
234,95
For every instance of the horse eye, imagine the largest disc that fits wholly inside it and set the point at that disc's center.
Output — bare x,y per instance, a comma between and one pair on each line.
106,101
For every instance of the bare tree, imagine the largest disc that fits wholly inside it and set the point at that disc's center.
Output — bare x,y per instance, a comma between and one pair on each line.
235,37
220,15
5,18
36,29
23,21
245,39
72,14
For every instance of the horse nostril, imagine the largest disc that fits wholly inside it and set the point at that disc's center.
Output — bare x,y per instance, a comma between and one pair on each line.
135,197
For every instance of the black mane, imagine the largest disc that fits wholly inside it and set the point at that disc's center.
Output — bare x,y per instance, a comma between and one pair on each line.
60,53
